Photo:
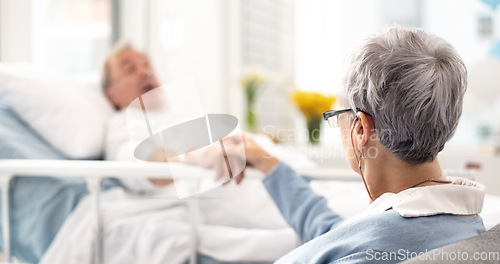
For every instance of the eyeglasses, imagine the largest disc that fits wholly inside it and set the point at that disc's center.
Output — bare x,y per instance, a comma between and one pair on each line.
332,116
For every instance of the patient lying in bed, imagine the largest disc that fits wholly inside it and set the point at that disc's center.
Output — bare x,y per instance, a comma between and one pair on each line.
127,74
147,223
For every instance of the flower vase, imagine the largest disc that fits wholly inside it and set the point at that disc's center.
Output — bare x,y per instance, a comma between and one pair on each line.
251,116
314,130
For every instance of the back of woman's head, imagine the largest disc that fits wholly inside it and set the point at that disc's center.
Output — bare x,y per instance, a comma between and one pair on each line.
412,83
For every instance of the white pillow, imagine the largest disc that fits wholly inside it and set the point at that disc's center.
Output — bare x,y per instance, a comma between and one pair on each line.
69,114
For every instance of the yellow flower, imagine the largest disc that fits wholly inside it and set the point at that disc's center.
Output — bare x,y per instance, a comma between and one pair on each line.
313,104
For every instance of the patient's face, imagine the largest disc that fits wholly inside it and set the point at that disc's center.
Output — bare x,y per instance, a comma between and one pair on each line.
131,75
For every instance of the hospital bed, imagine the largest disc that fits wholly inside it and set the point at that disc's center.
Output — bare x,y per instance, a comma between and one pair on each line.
95,171
25,152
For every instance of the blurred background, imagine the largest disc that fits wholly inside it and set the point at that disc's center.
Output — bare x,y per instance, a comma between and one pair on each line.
287,45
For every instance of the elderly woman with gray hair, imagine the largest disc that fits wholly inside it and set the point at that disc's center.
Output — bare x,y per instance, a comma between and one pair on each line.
402,101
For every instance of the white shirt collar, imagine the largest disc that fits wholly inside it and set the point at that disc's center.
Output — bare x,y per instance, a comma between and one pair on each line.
460,197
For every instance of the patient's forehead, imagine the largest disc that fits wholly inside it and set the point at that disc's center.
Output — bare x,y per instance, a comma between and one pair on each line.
127,57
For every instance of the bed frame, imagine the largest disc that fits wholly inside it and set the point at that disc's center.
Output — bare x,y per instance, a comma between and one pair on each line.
95,171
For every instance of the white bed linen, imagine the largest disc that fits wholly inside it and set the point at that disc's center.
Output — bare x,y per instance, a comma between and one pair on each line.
237,223
154,230
68,113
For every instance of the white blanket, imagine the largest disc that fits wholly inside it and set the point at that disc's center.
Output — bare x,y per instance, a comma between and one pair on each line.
156,230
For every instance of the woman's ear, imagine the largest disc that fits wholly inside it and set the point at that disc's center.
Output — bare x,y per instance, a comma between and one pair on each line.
363,129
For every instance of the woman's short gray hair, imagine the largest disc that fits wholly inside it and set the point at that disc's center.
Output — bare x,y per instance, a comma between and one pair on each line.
412,83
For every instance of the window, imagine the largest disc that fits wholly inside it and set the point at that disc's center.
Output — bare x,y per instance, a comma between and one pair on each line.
71,35
267,43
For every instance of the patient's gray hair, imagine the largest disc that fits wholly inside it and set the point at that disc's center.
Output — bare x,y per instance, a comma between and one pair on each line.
412,83
119,47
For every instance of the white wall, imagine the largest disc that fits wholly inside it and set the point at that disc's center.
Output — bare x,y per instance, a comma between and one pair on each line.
460,27
202,54
325,32
133,23
461,30
186,39
16,30
200,51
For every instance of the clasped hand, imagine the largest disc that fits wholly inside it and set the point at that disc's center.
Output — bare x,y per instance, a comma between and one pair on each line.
232,156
